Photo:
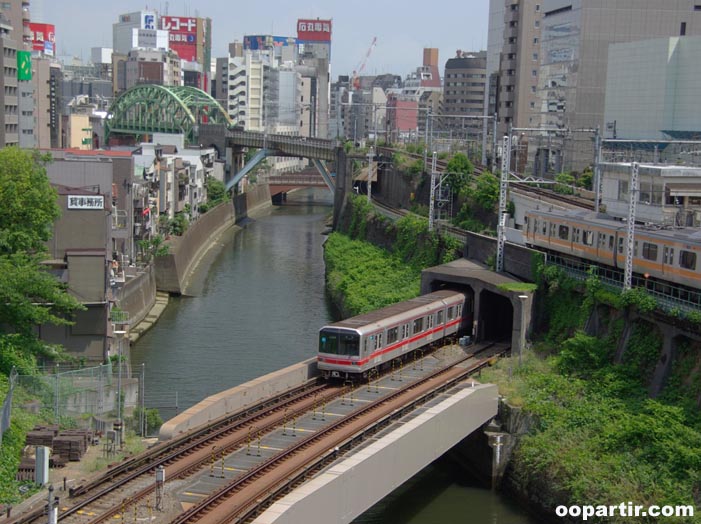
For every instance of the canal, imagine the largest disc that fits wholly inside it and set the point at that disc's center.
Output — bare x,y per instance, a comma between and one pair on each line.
256,305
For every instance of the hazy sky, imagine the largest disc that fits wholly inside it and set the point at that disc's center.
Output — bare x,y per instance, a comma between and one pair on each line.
402,28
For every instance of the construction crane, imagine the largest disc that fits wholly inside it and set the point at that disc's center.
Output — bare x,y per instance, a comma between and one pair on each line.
355,83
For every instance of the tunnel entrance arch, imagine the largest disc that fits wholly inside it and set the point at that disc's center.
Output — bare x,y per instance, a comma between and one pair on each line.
495,317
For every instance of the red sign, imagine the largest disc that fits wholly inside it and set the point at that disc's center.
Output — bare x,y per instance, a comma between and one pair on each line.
182,34
314,30
42,33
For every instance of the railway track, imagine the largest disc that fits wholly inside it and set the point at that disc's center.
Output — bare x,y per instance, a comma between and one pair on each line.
242,498
573,201
127,483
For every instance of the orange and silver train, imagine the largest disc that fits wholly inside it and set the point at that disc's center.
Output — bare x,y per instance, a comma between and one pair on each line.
659,253
349,349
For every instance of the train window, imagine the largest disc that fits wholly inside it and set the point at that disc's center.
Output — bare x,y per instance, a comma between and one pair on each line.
601,242
418,325
635,248
668,255
429,322
459,309
620,244
649,251
379,340
339,343
451,315
564,232
610,242
575,236
392,335
407,329
687,260
545,228
553,229
588,238
439,317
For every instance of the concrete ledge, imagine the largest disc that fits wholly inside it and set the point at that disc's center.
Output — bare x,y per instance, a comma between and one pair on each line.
239,397
343,491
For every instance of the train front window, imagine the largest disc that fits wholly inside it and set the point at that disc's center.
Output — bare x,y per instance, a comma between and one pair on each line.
339,343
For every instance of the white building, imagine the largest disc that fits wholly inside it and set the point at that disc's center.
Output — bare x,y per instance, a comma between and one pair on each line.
123,30
652,89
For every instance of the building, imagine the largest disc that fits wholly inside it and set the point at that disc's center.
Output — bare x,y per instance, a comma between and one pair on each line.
152,66
191,39
128,25
464,87
574,54
512,62
402,122
314,61
652,89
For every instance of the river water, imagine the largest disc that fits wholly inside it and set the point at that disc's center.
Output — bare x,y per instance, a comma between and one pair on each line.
256,306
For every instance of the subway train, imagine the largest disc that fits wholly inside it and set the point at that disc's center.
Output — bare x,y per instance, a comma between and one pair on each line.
351,348
660,253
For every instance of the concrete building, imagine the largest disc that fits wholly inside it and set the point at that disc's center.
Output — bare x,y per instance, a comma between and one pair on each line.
652,89
512,61
152,66
574,59
9,90
314,61
464,87
123,29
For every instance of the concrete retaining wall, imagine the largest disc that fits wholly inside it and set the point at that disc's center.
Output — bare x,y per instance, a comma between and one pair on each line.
239,397
173,270
518,260
139,294
344,490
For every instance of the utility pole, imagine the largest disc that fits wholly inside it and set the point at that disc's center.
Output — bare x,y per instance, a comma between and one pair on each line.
494,143
630,238
597,168
432,202
501,239
371,156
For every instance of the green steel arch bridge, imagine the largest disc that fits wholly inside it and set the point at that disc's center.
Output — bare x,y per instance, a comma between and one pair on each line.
150,108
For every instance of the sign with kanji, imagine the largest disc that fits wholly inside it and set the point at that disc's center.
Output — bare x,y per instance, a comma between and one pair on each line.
182,34
86,202
43,37
314,30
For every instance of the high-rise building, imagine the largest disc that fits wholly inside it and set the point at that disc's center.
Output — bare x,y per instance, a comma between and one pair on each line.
123,31
574,59
314,40
464,87
9,118
512,61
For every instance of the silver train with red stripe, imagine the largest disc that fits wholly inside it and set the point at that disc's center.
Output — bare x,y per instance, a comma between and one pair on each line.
351,348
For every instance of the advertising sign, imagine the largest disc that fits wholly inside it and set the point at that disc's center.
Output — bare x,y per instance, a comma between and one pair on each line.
182,35
86,202
41,34
148,20
24,65
314,30
255,42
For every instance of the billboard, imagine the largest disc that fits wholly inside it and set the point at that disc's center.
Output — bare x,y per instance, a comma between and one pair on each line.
255,42
182,35
314,30
43,37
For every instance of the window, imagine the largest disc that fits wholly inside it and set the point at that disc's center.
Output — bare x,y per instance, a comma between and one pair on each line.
650,251
339,343
682,29
537,23
588,238
564,232
668,255
687,260
537,8
535,40
576,235
451,313
418,325
620,244
535,56
610,242
392,335
439,317
534,72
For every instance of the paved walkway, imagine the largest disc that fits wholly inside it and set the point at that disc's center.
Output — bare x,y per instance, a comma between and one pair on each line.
152,316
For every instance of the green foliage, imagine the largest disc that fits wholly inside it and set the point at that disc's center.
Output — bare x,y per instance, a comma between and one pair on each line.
416,167
179,224
361,210
153,247
563,184
523,287
639,298
486,192
28,204
459,170
216,191
364,277
153,420
586,179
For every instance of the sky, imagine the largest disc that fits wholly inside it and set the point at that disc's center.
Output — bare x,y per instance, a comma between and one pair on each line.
402,28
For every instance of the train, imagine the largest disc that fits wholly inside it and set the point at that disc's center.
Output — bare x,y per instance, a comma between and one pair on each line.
660,253
354,348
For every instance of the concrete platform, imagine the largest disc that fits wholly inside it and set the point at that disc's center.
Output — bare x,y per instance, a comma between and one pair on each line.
239,397
344,491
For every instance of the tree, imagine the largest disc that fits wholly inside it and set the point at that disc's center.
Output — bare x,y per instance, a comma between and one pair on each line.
486,195
564,183
29,294
459,169
28,203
